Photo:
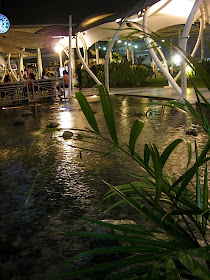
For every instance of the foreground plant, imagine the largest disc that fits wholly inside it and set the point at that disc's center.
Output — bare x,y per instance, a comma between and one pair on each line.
178,247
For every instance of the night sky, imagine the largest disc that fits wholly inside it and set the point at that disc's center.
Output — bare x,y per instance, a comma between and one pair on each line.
57,12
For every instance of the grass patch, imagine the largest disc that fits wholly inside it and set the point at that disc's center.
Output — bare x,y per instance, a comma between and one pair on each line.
161,81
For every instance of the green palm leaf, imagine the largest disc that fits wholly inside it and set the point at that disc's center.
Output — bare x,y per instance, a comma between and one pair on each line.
171,269
165,155
108,112
193,266
87,111
135,131
157,164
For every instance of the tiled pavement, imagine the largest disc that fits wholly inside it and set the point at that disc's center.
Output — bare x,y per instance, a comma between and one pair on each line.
162,93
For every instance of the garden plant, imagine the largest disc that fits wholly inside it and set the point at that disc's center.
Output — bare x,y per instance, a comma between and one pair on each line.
178,248
121,75
177,245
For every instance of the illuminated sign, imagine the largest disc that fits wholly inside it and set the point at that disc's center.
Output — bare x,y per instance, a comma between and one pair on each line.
4,24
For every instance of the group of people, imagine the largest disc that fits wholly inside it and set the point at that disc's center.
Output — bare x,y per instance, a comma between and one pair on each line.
49,73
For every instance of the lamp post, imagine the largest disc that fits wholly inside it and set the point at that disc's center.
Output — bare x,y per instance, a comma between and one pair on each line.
70,56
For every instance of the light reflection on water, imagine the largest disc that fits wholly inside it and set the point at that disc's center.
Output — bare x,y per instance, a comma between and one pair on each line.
160,128
74,185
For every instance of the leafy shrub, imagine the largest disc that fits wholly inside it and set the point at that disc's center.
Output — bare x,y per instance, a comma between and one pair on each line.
120,75
178,246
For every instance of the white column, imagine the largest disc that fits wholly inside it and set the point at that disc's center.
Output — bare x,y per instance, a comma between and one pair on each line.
39,63
184,45
132,54
70,57
97,53
171,56
110,57
202,46
127,50
61,58
20,65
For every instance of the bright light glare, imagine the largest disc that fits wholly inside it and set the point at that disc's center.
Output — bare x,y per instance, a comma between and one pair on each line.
136,46
178,8
118,20
141,36
189,70
177,59
65,119
104,48
119,41
58,48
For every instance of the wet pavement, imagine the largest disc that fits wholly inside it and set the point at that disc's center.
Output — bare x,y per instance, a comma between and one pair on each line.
32,239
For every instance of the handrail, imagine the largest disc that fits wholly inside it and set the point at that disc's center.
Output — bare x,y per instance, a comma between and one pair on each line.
31,90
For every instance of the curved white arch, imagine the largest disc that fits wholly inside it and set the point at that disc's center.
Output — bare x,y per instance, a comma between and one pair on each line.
197,42
4,67
84,63
106,64
184,45
155,58
10,67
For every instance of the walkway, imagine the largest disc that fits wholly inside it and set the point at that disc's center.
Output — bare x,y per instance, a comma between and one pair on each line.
162,93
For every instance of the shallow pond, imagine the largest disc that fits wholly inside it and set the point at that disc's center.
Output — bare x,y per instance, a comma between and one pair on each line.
32,238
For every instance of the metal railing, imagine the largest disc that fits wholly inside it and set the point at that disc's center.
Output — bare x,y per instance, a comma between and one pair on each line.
31,91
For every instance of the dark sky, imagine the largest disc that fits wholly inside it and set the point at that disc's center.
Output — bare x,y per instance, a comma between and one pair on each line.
57,12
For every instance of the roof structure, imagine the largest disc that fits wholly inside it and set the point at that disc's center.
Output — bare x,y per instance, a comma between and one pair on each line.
146,17
101,26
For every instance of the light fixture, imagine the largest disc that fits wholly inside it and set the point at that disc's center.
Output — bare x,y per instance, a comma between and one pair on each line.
58,48
177,59
118,20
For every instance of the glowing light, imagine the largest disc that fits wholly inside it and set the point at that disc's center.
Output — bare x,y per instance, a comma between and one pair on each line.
118,20
64,42
141,36
189,70
177,59
3,108
129,44
119,41
58,48
65,119
104,48
163,40
136,46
